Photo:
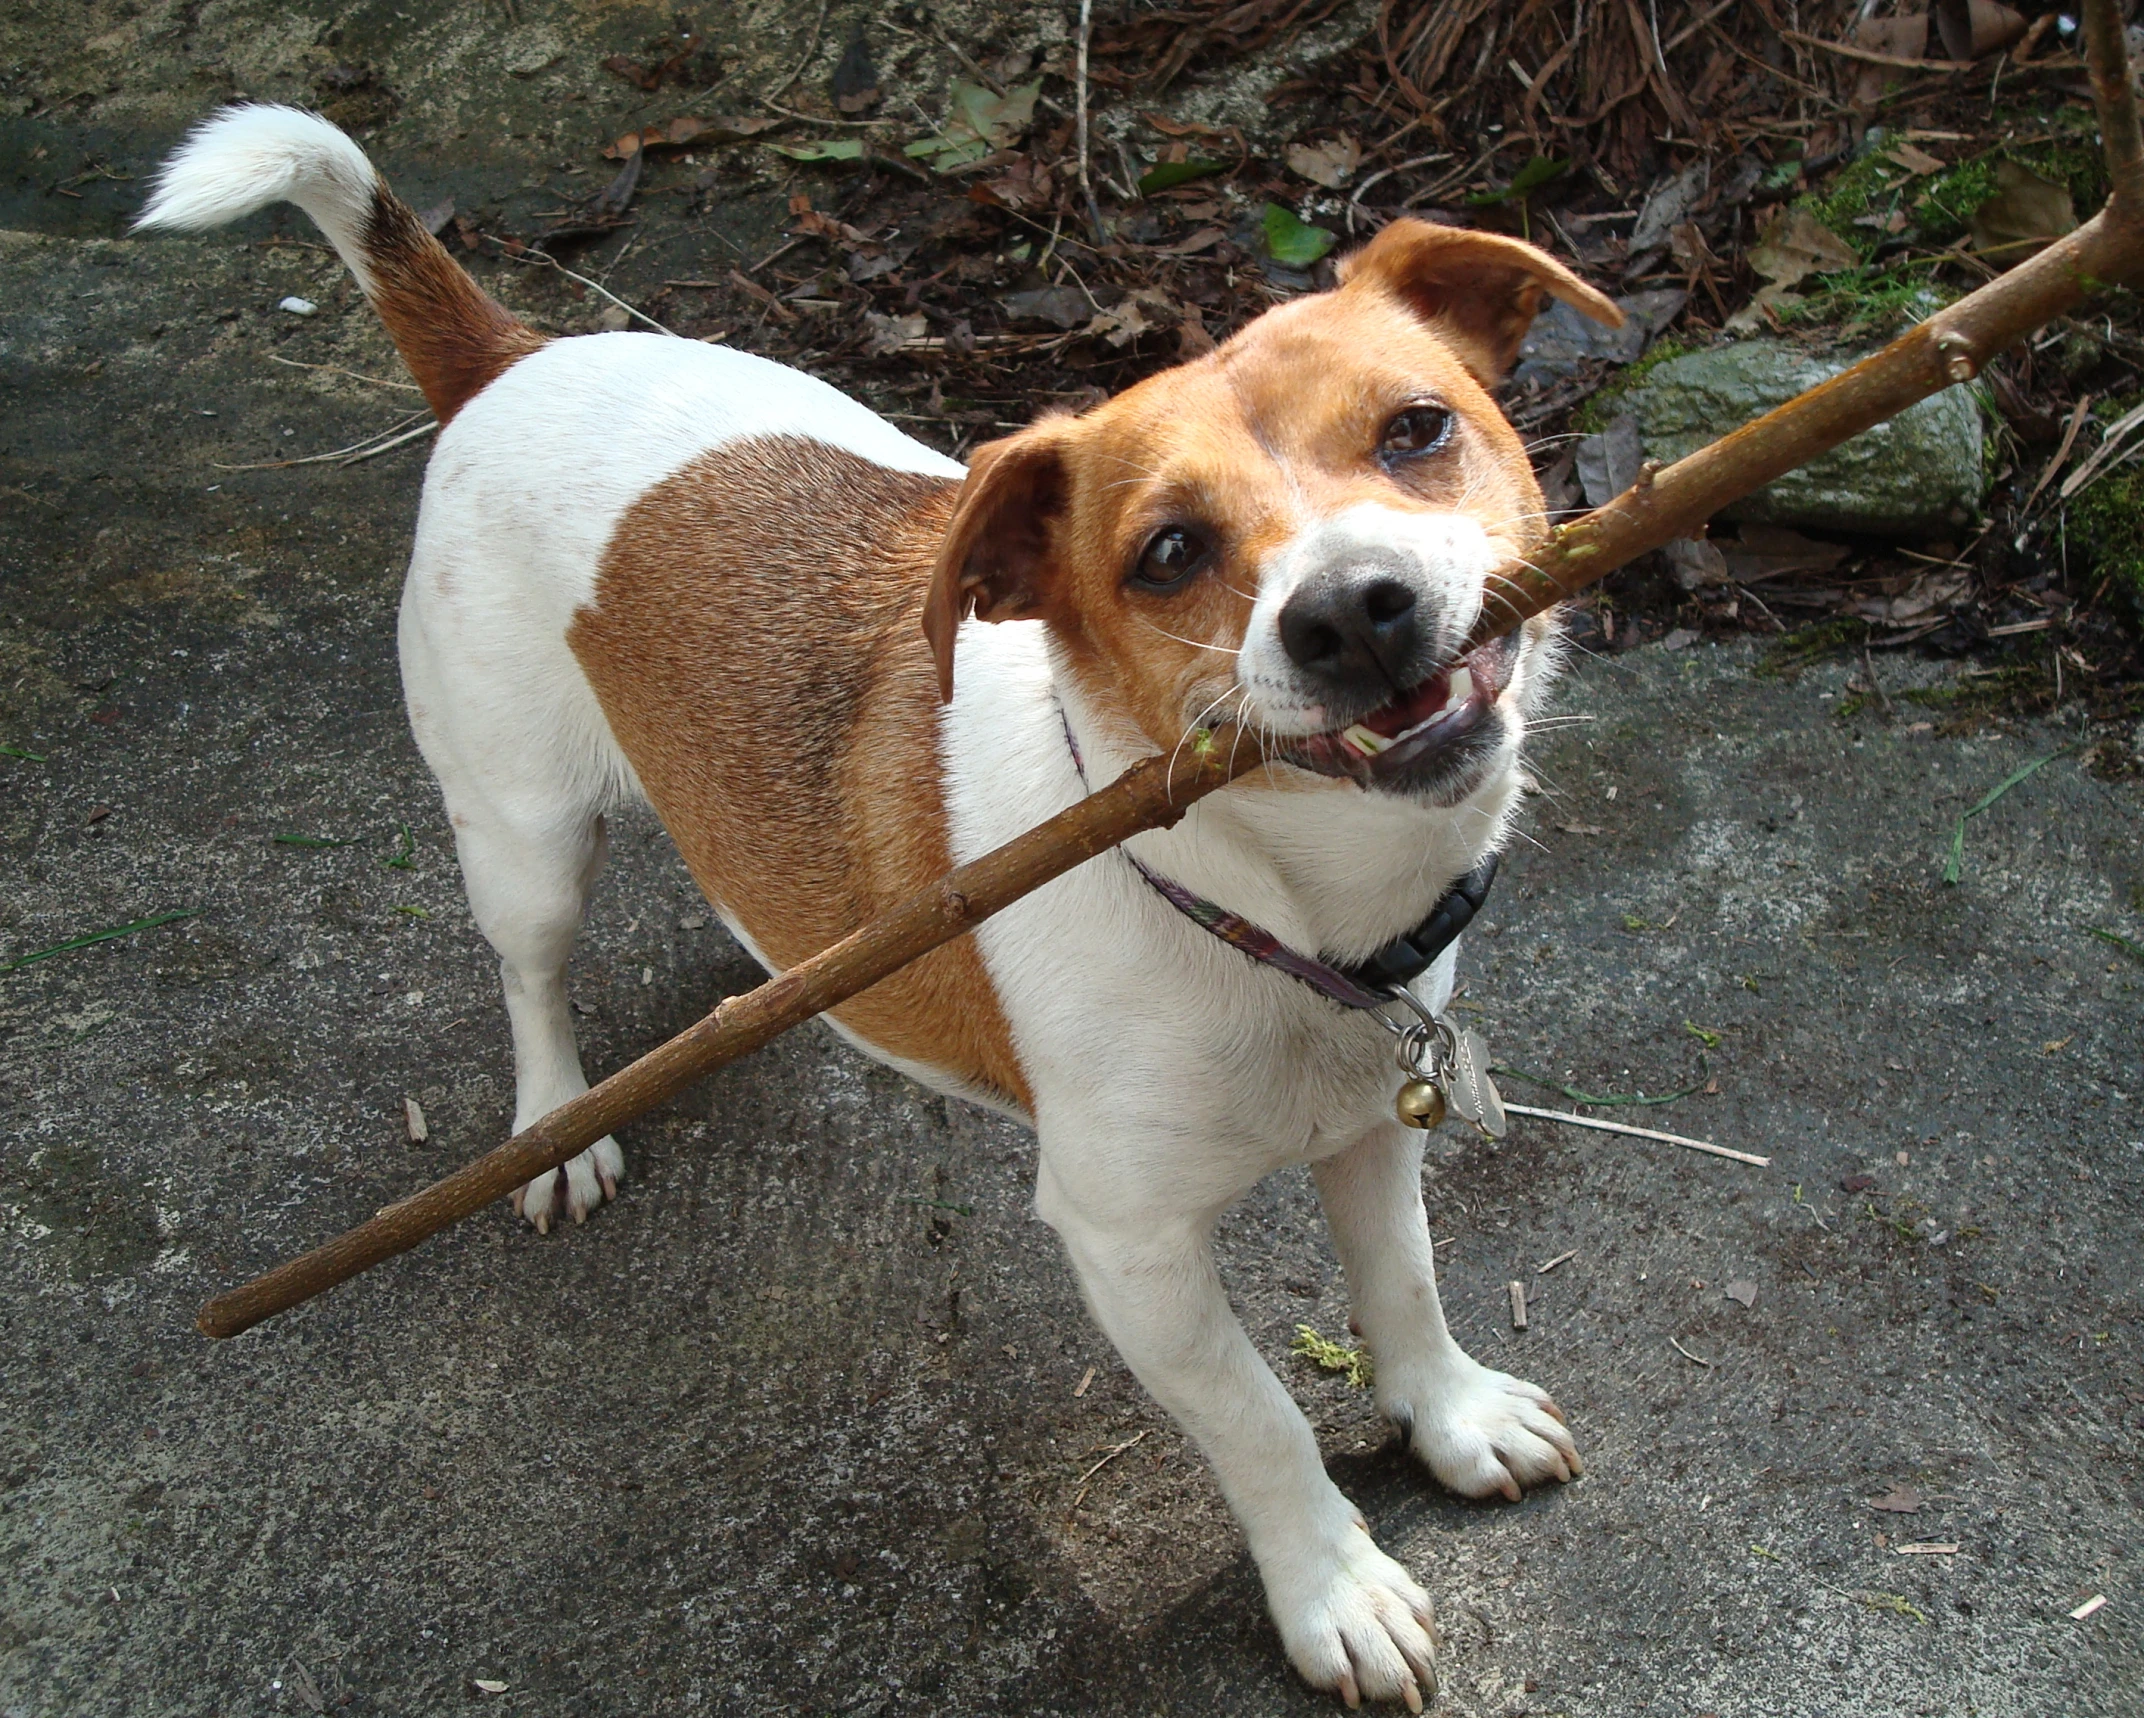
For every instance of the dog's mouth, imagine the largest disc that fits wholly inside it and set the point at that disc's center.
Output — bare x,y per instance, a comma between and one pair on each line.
1391,742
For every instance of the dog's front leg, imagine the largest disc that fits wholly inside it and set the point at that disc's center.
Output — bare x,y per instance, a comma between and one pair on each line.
1477,1430
1350,1617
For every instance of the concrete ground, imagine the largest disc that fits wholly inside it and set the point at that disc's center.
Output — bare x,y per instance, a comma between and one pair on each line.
805,1422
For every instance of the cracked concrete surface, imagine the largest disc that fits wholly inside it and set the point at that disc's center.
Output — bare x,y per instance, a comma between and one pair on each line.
798,1424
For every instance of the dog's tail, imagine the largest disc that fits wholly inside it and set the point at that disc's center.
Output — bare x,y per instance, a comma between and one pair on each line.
452,335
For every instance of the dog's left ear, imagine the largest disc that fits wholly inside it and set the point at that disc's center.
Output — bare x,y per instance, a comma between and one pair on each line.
999,548
1480,291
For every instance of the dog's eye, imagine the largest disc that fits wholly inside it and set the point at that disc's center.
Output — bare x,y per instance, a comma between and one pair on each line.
1416,431
1171,559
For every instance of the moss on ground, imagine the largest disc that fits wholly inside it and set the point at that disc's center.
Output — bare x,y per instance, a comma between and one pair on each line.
2106,521
1941,206
1599,410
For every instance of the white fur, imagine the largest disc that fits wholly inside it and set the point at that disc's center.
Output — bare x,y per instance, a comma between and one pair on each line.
245,158
1168,1072
525,490
1442,557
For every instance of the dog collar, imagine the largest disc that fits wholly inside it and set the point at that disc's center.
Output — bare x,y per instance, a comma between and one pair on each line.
1366,984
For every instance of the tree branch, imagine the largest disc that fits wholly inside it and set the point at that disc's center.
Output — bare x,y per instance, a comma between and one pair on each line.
1151,795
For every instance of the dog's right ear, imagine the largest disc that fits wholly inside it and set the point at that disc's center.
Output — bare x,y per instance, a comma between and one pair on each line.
998,550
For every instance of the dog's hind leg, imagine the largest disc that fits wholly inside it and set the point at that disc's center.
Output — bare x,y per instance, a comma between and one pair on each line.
1478,1430
525,783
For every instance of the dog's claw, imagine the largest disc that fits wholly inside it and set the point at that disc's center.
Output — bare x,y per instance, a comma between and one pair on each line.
1348,1691
574,1189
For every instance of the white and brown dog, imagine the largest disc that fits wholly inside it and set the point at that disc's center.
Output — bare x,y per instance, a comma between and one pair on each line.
652,567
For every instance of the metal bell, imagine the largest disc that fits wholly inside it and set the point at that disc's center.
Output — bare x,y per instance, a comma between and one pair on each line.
1420,1103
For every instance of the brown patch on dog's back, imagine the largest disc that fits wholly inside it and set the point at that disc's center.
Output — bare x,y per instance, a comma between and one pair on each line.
755,644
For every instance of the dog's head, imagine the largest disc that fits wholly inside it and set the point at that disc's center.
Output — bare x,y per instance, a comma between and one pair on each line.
1295,530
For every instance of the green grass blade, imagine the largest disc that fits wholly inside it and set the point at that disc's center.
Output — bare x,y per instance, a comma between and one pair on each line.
73,943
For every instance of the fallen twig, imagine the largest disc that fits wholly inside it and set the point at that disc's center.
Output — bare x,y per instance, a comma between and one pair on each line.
2108,454
378,442
804,59
1086,182
2062,453
355,376
1599,1126
1697,1359
1087,1479
535,257
1869,56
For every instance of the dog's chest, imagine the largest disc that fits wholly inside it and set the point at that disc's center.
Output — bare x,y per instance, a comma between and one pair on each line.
1123,1009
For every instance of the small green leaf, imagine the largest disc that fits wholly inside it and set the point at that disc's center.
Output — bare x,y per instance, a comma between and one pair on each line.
1167,173
827,149
405,853
1711,1040
1293,243
412,912
18,752
309,841
1541,170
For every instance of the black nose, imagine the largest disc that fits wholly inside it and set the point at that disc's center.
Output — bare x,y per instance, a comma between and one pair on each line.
1347,630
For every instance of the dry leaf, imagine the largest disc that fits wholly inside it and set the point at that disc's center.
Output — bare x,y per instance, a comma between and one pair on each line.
1899,1500
1745,1292
1903,38
413,1121
1668,205
1139,313
676,133
1912,159
1797,245
2026,214
1329,164
1771,551
891,333
1204,239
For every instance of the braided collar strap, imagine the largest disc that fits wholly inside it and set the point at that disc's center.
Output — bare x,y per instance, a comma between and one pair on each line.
1368,983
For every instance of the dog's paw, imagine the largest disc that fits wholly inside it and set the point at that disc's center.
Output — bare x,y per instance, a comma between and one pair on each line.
1481,1431
1354,1621
575,1188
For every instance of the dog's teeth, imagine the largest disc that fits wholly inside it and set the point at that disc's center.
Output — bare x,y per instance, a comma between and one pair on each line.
1462,688
1366,741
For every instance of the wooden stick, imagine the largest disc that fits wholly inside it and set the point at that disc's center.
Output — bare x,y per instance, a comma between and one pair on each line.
1662,505
1151,795
1624,1127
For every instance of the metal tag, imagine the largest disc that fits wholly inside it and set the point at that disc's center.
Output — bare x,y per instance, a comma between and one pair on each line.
1472,1093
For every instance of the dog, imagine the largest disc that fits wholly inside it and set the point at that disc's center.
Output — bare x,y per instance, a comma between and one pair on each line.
837,663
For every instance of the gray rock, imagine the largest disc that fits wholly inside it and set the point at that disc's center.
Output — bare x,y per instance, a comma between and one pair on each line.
1918,475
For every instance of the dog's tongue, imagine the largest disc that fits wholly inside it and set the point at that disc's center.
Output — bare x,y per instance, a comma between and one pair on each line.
1416,707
